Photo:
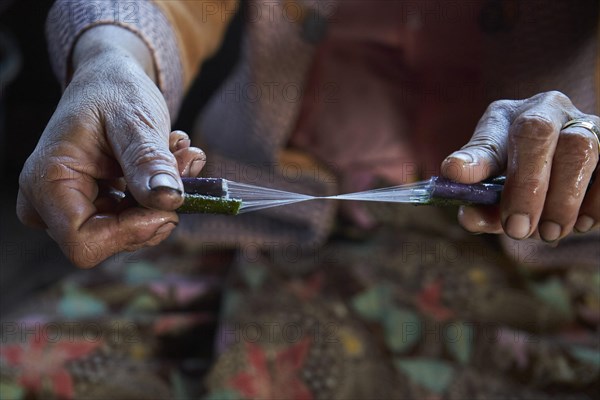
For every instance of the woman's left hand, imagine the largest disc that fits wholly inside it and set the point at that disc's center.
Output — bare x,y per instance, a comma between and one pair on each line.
548,169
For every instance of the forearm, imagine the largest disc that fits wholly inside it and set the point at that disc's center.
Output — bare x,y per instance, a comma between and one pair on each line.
178,36
78,30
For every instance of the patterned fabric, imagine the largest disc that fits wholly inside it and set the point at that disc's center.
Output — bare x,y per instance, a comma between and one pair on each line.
416,309
67,20
137,328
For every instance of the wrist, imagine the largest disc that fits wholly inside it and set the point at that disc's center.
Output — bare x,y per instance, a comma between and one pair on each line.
109,42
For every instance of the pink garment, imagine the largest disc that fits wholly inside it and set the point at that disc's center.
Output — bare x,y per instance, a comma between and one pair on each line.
375,104
375,108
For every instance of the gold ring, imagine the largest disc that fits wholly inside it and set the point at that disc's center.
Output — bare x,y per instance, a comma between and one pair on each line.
585,124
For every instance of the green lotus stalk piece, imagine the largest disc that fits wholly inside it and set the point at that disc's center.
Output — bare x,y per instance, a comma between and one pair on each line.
198,203
208,196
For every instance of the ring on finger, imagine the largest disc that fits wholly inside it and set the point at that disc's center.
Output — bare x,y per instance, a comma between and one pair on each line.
585,124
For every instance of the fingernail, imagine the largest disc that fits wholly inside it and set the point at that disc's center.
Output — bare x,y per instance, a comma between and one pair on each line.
550,231
164,181
461,156
518,226
165,229
182,143
584,223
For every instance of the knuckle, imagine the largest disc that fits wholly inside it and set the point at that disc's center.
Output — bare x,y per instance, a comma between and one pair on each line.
145,120
594,118
556,97
179,135
133,127
50,170
533,126
140,154
493,121
577,140
551,96
490,148
177,139
502,106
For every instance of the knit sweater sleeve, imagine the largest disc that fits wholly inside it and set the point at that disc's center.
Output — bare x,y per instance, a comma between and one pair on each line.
179,34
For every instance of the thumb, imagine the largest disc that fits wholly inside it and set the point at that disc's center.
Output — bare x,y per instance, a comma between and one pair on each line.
485,154
149,168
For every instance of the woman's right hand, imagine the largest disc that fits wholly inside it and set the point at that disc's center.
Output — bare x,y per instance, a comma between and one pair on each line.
111,128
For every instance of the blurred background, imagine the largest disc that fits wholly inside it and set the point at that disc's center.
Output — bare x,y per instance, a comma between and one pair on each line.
31,262
28,95
29,259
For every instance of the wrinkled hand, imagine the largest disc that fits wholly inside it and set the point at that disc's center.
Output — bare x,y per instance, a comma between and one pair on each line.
548,169
111,128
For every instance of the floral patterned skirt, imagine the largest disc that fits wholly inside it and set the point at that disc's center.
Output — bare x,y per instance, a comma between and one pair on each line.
416,309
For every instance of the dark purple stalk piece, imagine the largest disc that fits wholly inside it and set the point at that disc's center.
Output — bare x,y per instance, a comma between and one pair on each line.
214,187
445,191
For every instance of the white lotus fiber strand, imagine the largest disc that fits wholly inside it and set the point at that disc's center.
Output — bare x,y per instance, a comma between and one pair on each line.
416,193
258,198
